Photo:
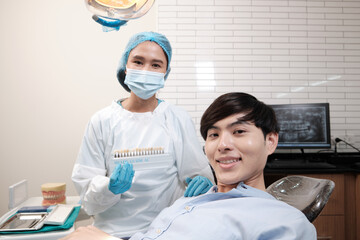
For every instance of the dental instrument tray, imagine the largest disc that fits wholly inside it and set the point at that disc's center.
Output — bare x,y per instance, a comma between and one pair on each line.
23,222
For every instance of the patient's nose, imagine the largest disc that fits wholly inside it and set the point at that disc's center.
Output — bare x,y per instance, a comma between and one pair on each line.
225,143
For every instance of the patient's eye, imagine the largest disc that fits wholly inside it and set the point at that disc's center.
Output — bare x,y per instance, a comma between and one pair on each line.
212,134
239,131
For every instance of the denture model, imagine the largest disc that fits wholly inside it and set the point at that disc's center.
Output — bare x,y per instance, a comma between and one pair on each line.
53,193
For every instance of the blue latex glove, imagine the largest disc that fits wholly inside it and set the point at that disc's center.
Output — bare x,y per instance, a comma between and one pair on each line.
121,178
196,186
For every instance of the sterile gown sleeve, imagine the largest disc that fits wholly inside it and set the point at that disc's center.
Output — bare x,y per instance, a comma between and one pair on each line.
89,173
190,158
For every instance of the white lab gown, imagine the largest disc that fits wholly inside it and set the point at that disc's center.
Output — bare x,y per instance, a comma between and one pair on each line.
115,128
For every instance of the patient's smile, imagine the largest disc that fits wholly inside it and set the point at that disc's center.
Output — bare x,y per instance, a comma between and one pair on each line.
228,161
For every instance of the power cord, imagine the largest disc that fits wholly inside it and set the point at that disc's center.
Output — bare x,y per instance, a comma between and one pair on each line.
337,140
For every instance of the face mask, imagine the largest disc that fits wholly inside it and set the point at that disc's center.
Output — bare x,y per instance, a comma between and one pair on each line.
144,83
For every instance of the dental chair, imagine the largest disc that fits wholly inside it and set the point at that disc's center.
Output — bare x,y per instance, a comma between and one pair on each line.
307,194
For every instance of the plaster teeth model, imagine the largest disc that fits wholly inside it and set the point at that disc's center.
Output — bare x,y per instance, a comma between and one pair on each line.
53,193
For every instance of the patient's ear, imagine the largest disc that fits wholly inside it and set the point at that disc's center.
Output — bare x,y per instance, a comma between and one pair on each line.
271,142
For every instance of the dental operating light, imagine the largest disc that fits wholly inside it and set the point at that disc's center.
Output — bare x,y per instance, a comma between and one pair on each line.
112,14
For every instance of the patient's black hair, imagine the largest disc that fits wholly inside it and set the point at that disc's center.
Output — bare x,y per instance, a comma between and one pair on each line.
257,112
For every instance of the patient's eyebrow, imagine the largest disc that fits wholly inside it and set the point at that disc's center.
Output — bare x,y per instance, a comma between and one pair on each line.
238,122
213,127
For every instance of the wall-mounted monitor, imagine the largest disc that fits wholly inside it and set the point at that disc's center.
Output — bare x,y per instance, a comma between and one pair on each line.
303,125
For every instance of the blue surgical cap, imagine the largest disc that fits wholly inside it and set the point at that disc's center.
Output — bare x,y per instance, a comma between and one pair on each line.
135,40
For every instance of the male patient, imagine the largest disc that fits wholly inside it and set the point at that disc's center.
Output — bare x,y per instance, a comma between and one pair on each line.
240,132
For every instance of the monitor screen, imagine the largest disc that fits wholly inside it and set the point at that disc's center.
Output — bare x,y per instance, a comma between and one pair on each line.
303,125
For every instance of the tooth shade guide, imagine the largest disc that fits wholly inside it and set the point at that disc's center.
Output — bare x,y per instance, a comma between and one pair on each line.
145,162
138,152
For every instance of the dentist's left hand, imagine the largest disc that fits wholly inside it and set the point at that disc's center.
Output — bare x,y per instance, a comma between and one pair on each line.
197,186
121,178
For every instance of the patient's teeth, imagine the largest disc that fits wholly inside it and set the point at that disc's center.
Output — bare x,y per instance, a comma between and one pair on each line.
229,161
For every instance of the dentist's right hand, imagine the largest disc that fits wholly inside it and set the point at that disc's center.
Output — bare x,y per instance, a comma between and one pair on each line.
121,178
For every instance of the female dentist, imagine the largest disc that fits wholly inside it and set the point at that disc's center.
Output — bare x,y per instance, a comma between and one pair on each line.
122,198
